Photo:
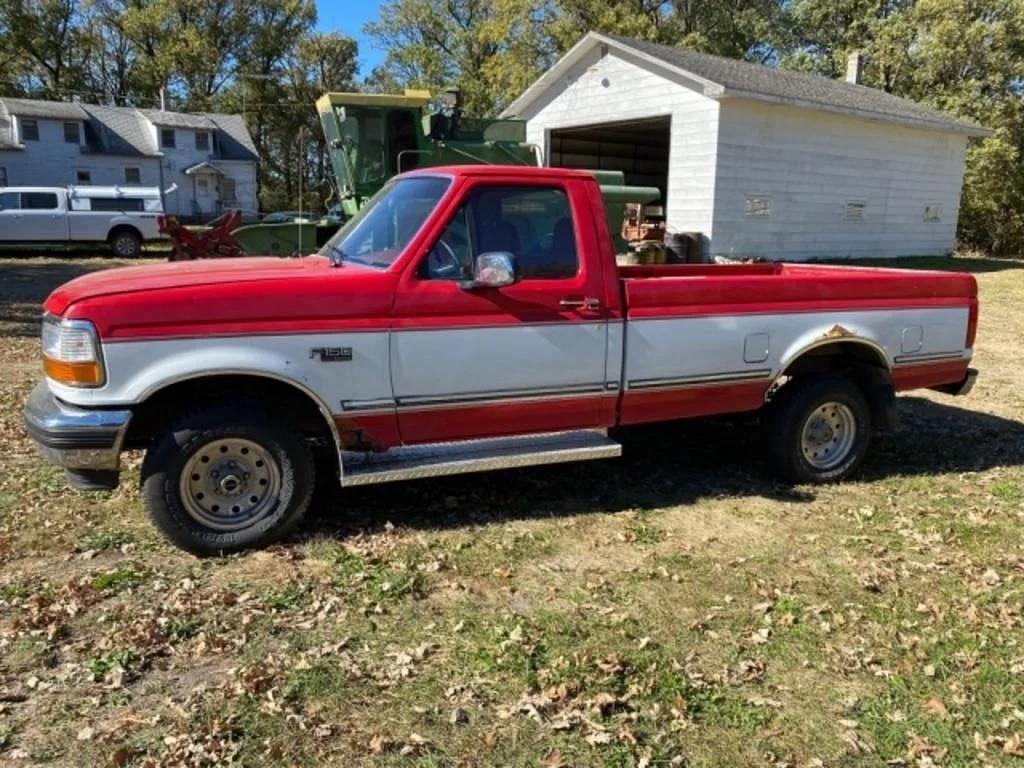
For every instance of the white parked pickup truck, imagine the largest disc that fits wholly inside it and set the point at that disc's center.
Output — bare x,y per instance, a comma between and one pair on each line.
124,217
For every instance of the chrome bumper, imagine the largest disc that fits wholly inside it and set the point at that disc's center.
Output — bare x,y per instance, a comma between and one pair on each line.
78,439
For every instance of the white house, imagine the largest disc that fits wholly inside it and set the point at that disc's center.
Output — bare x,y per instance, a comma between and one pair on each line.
762,162
210,157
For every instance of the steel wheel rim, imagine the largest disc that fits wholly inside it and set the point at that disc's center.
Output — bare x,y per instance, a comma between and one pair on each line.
229,484
828,436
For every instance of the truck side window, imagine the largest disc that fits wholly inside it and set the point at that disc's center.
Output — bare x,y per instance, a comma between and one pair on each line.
38,201
534,224
8,201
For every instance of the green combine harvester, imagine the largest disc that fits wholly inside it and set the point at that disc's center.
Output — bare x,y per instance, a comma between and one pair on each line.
372,138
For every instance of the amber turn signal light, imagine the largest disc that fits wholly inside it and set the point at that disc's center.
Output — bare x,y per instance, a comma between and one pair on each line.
73,374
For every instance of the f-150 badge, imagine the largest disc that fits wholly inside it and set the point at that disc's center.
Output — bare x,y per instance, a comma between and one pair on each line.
331,354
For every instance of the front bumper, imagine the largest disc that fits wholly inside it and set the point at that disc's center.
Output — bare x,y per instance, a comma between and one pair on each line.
86,442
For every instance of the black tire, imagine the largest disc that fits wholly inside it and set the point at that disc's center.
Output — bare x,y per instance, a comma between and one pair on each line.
806,398
283,504
126,243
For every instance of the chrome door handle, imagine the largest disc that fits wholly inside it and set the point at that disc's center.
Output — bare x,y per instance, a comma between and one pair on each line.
586,303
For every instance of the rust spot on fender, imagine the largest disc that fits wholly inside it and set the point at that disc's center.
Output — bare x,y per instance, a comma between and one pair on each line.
837,332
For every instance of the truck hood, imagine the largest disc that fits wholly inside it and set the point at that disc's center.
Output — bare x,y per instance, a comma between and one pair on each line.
182,274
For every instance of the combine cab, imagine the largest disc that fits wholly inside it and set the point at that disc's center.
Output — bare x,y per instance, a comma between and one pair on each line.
371,138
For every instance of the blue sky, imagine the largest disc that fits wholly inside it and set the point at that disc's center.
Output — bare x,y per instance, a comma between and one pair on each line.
349,16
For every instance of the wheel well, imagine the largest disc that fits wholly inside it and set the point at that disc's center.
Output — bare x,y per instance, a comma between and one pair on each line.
864,364
123,228
287,402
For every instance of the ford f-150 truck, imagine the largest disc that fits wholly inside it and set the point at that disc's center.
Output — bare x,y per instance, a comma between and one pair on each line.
469,318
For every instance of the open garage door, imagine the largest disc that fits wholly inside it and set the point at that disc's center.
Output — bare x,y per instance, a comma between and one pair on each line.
638,148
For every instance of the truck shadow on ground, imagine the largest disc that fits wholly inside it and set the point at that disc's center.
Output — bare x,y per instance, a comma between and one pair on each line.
668,465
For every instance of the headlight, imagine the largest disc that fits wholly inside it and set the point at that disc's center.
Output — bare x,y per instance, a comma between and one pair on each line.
71,352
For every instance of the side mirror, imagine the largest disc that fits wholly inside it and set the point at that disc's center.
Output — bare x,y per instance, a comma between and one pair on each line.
495,269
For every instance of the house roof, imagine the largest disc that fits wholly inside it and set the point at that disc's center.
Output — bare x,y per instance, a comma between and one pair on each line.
169,119
235,141
721,78
203,167
121,131
53,110
127,130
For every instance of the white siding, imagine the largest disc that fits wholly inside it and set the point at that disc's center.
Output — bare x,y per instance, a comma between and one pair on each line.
612,88
52,162
812,164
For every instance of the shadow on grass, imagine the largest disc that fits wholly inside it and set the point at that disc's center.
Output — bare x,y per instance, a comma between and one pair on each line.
25,284
668,465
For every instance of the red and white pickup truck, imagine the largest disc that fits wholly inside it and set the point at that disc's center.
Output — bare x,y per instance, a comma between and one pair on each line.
469,318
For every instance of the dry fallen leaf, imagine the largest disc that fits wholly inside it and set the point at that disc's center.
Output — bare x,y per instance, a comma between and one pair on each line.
934,706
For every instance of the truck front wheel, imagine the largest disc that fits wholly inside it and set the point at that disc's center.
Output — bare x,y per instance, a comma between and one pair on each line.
817,429
226,478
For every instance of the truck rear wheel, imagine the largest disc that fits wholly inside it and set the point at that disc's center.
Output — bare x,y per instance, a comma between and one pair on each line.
126,244
817,429
226,478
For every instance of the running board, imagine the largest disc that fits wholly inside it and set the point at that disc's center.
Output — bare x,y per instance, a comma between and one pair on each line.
436,459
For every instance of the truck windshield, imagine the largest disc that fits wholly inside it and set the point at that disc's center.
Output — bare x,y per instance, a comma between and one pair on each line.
383,228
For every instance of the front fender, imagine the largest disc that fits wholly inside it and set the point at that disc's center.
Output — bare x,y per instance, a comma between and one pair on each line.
137,369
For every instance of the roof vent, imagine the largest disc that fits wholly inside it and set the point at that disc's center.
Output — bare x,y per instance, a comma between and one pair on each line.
854,67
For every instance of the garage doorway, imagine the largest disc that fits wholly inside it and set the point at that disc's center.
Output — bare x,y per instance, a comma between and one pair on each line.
638,148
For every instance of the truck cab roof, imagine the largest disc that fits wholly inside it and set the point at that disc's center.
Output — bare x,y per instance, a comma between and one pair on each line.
530,171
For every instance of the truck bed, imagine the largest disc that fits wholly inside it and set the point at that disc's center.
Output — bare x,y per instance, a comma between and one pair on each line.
707,338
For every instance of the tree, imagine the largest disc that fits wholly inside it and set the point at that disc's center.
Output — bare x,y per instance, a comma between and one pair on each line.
46,34
493,49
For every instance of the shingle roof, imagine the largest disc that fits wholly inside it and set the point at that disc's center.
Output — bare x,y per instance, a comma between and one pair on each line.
126,130
191,120
722,77
121,130
54,110
235,141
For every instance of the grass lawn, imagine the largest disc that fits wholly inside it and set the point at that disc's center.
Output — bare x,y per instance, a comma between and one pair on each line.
674,608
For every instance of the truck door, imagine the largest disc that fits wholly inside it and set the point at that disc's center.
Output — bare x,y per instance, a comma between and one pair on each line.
528,357
41,218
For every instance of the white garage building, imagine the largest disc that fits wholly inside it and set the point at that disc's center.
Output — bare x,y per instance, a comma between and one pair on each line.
762,162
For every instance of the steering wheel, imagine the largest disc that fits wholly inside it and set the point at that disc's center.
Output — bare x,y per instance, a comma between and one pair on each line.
445,262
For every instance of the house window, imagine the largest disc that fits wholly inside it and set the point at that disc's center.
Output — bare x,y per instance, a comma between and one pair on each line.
167,138
228,192
855,210
757,206
3,177
83,176
29,130
933,212
204,186
71,133
132,176
202,141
